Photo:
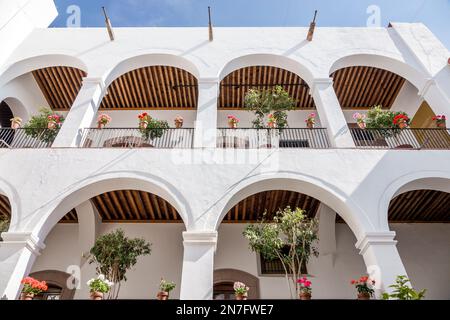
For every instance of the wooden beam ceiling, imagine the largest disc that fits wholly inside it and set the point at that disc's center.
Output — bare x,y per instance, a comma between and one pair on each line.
252,208
59,85
420,206
155,87
365,87
5,207
235,85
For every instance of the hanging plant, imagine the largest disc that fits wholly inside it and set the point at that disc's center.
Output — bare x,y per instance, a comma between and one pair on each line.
44,126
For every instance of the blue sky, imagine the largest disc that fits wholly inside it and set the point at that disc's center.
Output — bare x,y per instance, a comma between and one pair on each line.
234,13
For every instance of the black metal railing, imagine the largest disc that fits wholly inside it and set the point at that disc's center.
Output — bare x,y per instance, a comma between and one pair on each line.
26,138
409,138
273,138
171,138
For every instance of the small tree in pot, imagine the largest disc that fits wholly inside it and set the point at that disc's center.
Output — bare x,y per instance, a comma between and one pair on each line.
290,229
114,254
44,126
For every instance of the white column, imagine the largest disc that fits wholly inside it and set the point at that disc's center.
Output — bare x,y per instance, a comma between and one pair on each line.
18,252
198,265
81,114
383,262
206,122
435,97
330,113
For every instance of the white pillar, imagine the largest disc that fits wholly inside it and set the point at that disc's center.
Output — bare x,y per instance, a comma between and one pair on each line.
435,97
198,265
206,122
330,113
383,262
81,114
18,252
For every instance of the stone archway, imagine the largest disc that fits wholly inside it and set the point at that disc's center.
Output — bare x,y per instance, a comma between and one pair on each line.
225,276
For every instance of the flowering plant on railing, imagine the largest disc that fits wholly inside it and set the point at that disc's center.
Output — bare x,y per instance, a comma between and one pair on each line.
401,120
16,122
102,120
311,120
440,121
32,287
233,121
151,128
360,119
44,126
364,286
240,290
305,288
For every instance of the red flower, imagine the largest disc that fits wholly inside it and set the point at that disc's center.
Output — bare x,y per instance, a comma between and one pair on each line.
400,118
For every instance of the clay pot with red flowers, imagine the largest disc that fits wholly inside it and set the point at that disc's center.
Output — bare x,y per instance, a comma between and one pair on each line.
364,286
311,121
401,120
32,287
165,287
240,291
305,289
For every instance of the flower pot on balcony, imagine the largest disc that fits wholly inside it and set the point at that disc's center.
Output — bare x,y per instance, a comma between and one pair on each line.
232,125
96,295
15,125
363,296
100,125
179,122
26,296
143,124
305,296
162,295
402,124
272,125
362,125
241,296
310,125
441,124
51,125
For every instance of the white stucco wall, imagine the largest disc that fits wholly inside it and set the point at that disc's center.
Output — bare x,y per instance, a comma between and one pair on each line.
423,248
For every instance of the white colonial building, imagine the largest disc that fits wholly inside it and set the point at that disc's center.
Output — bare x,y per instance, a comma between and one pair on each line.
383,203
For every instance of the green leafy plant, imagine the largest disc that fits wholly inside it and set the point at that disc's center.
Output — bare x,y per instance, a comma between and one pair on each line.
384,120
44,126
402,290
155,129
114,254
274,102
291,229
4,225
165,286
100,284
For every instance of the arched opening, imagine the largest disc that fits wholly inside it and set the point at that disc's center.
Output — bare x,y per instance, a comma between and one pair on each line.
57,283
337,241
364,81
139,214
165,92
419,213
5,213
6,115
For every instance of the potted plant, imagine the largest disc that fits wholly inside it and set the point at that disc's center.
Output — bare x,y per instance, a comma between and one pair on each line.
44,126
240,291
114,254
16,122
271,121
233,122
404,291
144,118
32,287
440,121
103,120
401,120
274,102
305,288
179,122
164,289
364,286
290,237
99,286
360,120
311,121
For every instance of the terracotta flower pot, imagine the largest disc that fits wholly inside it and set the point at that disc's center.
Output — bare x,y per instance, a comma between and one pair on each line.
100,125
162,295
362,125
51,125
241,296
441,124
363,296
305,296
15,125
96,295
272,125
178,124
402,125
143,125
310,125
26,296
233,125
